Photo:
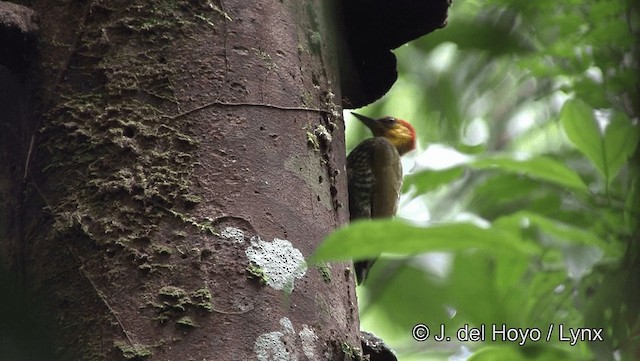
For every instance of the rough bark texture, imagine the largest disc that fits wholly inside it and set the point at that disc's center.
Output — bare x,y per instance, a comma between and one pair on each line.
168,165
186,157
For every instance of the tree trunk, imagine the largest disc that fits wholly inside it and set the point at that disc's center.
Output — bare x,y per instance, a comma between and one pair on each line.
182,160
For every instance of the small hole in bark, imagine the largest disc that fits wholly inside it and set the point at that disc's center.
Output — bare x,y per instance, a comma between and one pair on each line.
128,132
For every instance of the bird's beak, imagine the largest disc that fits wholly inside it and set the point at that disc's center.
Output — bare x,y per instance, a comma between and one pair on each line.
366,120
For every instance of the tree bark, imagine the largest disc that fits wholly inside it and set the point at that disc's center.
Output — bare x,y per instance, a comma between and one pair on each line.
181,161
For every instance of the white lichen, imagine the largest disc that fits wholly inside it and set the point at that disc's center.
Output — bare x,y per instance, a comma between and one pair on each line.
279,260
270,346
287,326
308,338
234,234
323,134
282,345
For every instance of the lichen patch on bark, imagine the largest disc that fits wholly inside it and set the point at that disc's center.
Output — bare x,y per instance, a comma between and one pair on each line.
279,260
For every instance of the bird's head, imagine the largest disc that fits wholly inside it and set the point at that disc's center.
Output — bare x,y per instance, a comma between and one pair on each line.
399,132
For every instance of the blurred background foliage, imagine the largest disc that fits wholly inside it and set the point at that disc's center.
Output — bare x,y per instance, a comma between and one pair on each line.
520,206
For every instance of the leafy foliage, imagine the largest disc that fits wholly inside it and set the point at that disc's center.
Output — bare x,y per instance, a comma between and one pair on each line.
522,207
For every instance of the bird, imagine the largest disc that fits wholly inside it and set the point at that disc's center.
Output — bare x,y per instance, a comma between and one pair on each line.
374,173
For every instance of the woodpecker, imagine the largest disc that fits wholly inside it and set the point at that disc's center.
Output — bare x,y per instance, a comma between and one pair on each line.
374,173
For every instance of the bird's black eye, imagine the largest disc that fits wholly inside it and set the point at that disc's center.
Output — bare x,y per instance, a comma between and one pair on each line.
388,120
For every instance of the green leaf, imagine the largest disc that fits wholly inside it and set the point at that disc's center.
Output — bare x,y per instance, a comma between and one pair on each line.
620,141
428,180
531,351
582,129
379,303
591,92
496,353
474,273
632,205
505,193
608,152
562,234
365,239
543,168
